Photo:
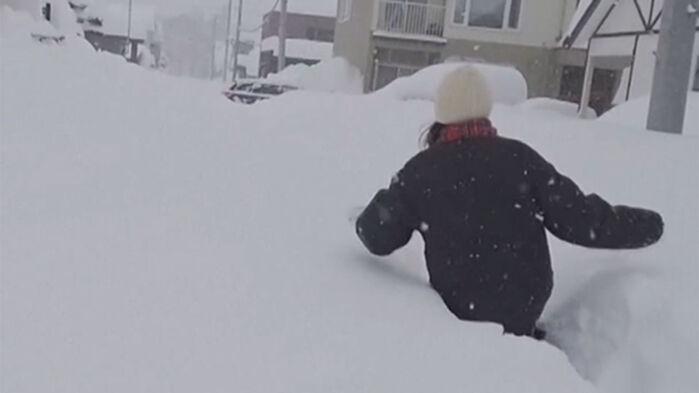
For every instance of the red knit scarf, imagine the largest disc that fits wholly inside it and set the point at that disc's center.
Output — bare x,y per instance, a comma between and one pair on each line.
471,129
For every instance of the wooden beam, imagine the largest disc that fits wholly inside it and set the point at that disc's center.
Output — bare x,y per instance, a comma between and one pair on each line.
656,20
630,33
570,40
604,20
640,14
633,66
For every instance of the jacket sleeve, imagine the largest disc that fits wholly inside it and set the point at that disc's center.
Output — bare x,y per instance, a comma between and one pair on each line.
588,220
388,222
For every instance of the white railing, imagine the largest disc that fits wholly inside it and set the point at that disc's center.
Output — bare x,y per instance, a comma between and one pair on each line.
404,17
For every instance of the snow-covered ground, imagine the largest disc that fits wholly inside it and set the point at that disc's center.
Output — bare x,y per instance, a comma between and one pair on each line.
633,113
156,237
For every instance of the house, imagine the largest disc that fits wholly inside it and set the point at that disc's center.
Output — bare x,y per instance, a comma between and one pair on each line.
386,39
546,40
309,40
110,28
620,39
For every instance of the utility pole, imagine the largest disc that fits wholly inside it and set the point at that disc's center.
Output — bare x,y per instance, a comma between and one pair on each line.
214,29
282,36
236,48
673,63
228,41
128,30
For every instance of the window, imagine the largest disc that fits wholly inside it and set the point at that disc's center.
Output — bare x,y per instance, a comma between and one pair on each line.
393,63
493,14
318,34
46,11
344,10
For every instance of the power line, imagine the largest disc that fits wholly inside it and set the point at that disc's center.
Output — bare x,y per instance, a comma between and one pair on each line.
281,59
228,41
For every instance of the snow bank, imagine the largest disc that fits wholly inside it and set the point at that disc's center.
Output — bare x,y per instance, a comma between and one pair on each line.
336,75
19,28
62,17
20,25
634,113
156,237
556,107
507,84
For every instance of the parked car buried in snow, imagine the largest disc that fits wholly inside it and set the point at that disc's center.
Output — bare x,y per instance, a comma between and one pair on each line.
252,91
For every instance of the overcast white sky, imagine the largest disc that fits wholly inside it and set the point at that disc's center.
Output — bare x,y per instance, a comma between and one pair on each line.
253,9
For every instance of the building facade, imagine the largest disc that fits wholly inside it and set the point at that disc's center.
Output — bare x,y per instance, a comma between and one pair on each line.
309,40
597,51
386,39
621,39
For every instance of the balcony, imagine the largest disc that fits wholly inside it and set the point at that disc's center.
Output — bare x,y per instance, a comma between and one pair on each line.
410,20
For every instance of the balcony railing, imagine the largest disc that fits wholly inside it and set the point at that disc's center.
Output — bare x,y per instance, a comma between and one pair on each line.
411,19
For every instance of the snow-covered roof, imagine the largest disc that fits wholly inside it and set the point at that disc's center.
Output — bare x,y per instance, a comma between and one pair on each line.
301,49
115,19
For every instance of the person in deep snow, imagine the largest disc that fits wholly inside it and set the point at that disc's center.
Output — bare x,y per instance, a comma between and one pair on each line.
482,204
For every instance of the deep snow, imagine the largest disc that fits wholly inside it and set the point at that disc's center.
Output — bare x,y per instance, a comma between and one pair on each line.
634,113
156,237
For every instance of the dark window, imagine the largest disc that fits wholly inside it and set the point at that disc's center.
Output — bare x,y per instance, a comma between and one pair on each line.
487,13
322,35
407,57
515,10
571,83
494,14
460,12
311,33
46,11
396,63
604,86
386,74
325,35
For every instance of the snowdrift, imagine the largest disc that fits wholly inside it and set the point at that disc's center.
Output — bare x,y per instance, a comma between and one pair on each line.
556,108
156,237
507,84
336,75
635,114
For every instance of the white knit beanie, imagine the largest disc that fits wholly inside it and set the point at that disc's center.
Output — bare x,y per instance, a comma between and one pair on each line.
463,95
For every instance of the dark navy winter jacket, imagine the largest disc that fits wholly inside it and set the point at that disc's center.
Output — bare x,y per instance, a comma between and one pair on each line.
483,206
